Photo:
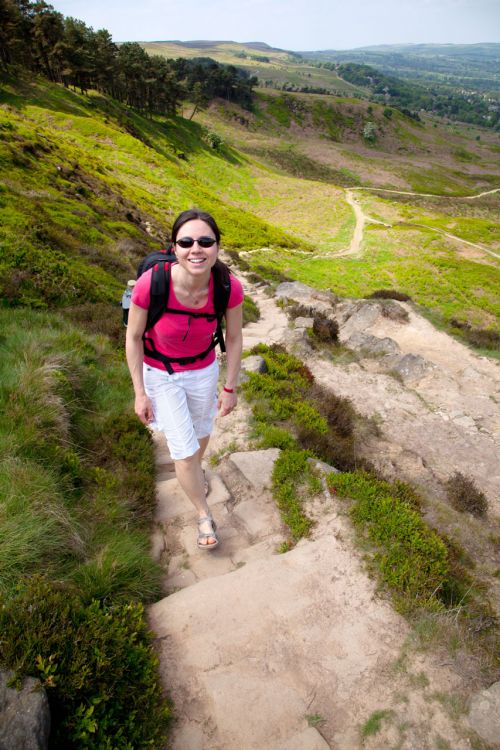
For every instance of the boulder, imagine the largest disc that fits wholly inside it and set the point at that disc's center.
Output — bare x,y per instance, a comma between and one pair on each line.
394,311
484,714
411,367
24,715
360,316
255,363
303,322
372,345
306,296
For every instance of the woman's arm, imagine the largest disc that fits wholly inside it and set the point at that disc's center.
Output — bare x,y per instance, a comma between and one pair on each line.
234,344
134,349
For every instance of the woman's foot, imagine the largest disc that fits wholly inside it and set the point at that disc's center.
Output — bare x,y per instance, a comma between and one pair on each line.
207,536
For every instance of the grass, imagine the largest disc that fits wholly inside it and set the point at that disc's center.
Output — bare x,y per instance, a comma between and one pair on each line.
373,724
77,497
419,264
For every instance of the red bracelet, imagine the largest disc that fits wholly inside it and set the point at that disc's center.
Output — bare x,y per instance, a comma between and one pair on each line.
228,390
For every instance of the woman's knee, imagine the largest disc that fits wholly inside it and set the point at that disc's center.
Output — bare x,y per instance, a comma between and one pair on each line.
188,462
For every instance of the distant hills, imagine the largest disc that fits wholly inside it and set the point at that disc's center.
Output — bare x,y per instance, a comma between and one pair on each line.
475,66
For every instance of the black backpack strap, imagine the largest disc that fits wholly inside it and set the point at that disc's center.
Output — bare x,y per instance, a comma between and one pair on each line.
222,291
158,293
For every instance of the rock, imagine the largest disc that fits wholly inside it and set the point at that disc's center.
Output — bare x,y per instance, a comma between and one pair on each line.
256,466
411,367
394,311
369,344
24,715
321,301
303,322
255,363
484,714
322,466
363,315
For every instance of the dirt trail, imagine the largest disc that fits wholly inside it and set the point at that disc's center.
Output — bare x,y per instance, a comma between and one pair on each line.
362,218
291,651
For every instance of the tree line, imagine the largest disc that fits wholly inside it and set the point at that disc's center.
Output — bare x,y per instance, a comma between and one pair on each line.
410,98
38,38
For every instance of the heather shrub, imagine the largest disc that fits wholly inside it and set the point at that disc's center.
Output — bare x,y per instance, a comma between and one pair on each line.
465,496
390,294
95,661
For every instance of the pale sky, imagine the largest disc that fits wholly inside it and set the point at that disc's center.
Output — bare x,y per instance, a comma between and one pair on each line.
293,24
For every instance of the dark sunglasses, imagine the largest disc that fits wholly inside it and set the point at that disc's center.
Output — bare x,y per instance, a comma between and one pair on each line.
202,242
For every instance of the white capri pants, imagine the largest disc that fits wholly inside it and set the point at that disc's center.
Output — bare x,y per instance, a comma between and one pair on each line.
184,405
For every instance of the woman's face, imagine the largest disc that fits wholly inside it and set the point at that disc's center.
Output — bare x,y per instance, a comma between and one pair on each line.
196,259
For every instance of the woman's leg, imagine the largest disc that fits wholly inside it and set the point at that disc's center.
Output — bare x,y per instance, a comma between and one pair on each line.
190,476
184,406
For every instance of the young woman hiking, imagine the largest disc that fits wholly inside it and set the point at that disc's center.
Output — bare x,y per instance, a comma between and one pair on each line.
179,398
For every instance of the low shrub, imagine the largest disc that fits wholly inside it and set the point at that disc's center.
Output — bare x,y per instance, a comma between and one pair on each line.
251,312
96,663
482,338
236,258
325,329
103,318
465,496
270,436
411,558
291,469
390,294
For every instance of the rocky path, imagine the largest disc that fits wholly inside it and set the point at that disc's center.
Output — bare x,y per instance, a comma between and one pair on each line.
287,651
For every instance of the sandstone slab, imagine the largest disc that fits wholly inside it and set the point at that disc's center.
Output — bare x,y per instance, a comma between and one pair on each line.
484,715
256,466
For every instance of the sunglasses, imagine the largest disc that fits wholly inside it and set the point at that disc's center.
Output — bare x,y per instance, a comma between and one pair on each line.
186,242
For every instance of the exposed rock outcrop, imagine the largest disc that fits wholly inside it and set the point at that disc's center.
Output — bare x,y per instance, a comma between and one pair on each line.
24,715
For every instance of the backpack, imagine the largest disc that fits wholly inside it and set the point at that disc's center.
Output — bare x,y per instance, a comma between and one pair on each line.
161,263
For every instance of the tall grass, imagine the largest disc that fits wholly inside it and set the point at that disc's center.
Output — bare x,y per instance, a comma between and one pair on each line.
76,502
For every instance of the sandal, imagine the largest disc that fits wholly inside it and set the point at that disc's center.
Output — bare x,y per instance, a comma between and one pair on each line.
206,483
207,534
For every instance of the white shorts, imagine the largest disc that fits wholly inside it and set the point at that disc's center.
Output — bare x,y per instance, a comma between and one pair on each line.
184,405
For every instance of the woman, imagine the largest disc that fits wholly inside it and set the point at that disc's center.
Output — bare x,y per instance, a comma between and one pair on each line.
184,404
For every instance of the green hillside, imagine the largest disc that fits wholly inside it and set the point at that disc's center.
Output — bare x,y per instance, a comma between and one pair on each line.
90,185
87,187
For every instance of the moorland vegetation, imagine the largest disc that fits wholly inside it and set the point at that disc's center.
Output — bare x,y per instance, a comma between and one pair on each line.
94,170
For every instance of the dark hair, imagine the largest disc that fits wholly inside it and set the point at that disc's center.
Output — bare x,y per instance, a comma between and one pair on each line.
189,215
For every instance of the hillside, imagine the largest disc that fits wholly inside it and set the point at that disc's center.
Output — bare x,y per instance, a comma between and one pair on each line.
331,191
273,67
105,183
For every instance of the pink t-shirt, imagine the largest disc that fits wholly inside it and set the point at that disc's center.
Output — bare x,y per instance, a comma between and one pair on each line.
181,335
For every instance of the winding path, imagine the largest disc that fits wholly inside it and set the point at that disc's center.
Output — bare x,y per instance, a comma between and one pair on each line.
362,218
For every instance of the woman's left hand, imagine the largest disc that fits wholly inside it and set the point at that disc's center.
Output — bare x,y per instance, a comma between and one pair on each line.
226,403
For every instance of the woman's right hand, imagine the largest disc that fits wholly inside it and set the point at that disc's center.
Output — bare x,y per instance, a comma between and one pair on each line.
144,409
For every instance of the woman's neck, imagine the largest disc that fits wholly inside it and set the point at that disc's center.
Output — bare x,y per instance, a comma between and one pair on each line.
188,282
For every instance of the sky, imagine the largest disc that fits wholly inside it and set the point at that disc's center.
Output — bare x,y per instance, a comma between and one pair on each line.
293,24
